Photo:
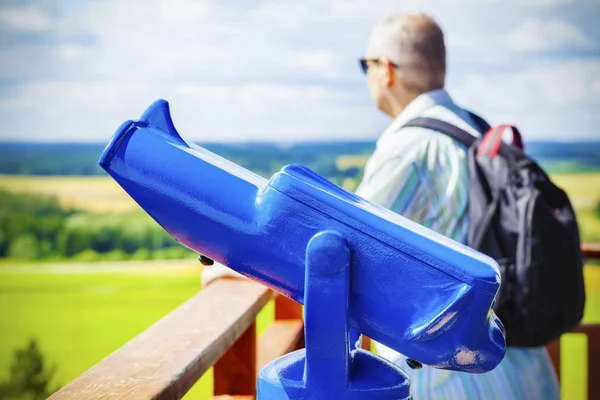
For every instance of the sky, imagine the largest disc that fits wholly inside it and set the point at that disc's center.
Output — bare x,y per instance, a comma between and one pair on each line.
284,70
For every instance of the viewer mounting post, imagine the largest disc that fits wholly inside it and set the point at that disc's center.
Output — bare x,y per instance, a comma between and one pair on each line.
329,367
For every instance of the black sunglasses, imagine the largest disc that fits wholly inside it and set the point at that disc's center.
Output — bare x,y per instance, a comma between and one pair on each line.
364,63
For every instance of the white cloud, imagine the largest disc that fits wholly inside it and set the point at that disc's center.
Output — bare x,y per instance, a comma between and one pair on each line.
72,51
184,11
262,70
542,99
535,3
92,111
183,38
322,61
537,34
550,3
561,84
29,18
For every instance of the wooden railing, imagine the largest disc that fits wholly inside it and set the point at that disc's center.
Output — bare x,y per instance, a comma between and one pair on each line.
217,328
591,251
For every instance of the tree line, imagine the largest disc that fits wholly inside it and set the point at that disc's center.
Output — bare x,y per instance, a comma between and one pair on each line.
81,159
34,226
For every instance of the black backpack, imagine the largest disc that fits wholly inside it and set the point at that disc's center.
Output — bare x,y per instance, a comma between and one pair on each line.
527,224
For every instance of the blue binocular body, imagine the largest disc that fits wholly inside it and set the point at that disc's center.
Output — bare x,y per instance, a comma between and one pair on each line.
411,289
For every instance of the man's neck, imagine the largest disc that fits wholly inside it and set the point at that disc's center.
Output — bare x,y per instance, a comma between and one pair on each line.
400,100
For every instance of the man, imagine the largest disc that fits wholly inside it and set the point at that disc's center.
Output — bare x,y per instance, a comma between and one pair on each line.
423,175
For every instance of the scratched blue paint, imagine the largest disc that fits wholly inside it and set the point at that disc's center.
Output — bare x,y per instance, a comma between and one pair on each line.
411,289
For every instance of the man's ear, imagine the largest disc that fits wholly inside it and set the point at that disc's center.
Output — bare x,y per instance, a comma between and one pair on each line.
390,73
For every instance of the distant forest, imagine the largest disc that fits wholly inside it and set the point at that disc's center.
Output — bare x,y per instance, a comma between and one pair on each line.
35,227
266,158
261,158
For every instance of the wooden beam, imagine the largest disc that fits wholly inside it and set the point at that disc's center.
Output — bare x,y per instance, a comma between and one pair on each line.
278,339
235,372
286,308
593,366
554,351
164,361
591,251
592,331
365,343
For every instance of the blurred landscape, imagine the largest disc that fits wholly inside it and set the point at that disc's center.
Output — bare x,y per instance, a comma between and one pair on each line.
83,269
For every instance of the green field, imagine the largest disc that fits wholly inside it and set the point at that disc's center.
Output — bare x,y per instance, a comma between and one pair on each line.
584,191
81,312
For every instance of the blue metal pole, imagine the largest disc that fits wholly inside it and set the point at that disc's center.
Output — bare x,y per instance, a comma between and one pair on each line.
330,367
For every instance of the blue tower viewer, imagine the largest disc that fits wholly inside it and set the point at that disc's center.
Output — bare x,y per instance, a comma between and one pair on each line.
407,287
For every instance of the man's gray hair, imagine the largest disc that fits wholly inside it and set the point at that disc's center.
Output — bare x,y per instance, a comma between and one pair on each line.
414,42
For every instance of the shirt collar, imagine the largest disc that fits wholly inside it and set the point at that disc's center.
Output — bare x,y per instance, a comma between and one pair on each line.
416,107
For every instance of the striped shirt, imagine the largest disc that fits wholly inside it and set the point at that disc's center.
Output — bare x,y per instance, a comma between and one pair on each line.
424,176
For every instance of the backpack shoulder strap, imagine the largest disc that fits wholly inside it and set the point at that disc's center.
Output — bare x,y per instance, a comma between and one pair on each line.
444,127
481,123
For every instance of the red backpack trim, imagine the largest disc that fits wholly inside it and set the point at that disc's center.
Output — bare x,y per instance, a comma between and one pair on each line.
492,140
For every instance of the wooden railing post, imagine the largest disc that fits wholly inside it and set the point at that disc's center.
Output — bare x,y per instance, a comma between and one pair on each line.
554,353
590,251
235,372
592,331
286,308
365,343
593,366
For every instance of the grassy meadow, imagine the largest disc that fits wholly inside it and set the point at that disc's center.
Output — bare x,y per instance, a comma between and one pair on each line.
81,312
584,191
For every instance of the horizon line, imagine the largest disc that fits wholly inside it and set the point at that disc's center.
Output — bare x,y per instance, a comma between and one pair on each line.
274,142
